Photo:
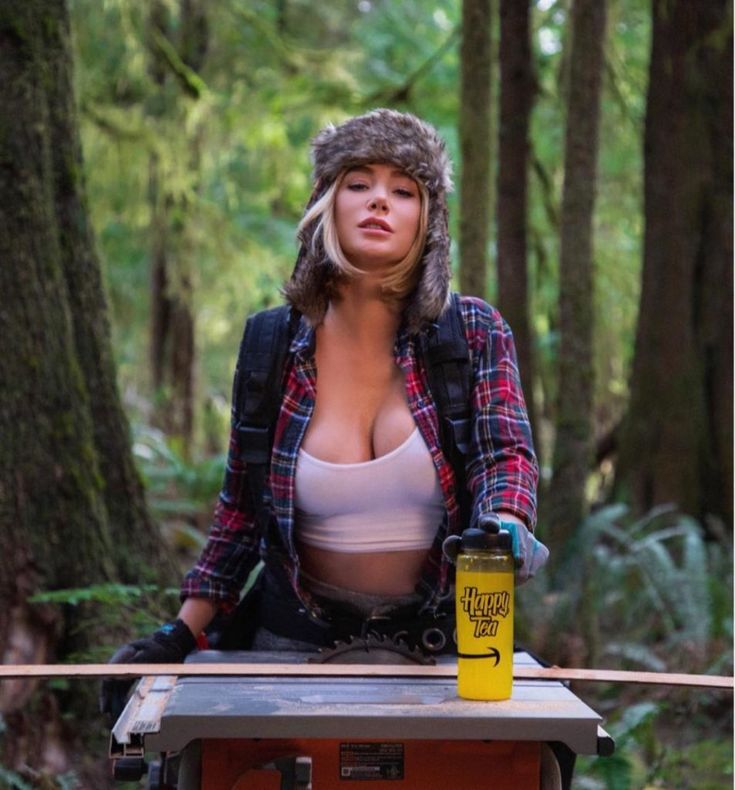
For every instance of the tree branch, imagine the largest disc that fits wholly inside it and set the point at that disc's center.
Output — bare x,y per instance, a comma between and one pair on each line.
113,127
398,94
547,189
190,81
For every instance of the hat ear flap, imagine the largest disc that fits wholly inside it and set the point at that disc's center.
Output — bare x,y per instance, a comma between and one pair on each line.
314,277
432,293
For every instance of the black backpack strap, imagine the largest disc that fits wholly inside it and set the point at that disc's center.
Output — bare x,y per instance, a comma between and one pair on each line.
256,396
449,371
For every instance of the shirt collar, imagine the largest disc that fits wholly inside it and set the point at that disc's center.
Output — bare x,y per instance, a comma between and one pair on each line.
303,341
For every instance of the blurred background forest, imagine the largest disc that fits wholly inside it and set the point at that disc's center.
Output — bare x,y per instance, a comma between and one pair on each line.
592,142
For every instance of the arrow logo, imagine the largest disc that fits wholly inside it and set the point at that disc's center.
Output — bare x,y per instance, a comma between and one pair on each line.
493,653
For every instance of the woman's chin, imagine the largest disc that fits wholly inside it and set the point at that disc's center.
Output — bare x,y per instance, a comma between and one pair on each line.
373,265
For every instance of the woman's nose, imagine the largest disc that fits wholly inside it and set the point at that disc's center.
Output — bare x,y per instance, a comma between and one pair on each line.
377,203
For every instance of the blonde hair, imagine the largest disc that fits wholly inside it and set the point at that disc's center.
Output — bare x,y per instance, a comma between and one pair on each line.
403,277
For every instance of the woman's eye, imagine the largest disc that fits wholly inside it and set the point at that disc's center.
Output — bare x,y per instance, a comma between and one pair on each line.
403,192
356,186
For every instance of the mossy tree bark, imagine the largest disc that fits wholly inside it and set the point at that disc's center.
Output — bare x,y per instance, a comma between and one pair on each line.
72,509
677,441
566,500
475,145
516,97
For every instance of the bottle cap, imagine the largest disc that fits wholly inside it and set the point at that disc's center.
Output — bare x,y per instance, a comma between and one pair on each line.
486,535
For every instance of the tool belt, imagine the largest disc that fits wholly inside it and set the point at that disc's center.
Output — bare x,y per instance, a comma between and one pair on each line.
432,632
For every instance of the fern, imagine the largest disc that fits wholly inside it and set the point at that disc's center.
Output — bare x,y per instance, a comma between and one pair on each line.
649,581
13,780
636,654
698,603
110,594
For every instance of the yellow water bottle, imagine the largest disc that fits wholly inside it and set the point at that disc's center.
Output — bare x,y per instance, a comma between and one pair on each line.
484,603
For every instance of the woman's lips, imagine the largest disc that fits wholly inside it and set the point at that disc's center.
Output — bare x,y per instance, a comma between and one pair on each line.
375,224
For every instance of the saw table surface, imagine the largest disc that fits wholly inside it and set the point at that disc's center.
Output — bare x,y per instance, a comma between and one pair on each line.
165,713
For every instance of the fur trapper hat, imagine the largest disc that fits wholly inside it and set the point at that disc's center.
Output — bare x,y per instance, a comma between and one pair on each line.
380,136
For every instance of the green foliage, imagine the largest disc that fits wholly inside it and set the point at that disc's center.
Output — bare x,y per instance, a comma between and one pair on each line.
113,612
181,490
175,483
650,582
273,74
644,594
643,760
108,594
706,764
232,159
623,769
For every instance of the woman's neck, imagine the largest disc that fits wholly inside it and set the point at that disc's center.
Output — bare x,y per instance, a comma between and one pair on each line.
361,315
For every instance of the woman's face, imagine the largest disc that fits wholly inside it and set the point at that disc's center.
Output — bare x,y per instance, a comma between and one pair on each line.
376,213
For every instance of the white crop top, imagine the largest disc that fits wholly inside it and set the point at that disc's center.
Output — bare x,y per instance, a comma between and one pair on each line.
392,503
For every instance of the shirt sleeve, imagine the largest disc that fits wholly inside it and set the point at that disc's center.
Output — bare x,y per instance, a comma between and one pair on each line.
502,470
232,547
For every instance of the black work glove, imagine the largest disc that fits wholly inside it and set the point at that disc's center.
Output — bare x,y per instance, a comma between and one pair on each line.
169,645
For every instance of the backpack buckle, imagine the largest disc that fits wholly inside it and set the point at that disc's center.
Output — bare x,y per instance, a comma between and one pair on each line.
460,429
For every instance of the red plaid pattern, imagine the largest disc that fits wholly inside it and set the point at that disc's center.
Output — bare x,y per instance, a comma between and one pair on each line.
502,472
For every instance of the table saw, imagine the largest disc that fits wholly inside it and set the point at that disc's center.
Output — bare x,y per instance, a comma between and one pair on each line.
326,731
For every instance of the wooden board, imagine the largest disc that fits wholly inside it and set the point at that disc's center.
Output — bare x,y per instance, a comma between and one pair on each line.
20,671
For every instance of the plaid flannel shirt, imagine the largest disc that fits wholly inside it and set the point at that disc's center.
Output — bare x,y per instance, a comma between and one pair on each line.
501,467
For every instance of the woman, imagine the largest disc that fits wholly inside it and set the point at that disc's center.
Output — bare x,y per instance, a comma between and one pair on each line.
362,495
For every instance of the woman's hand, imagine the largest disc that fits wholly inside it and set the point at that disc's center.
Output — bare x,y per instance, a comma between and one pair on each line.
528,552
170,644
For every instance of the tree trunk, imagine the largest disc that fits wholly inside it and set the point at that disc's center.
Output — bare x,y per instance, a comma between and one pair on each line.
475,145
566,501
172,341
677,441
516,96
72,510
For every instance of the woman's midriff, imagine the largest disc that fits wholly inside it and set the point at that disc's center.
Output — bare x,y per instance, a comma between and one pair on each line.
361,413
377,573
